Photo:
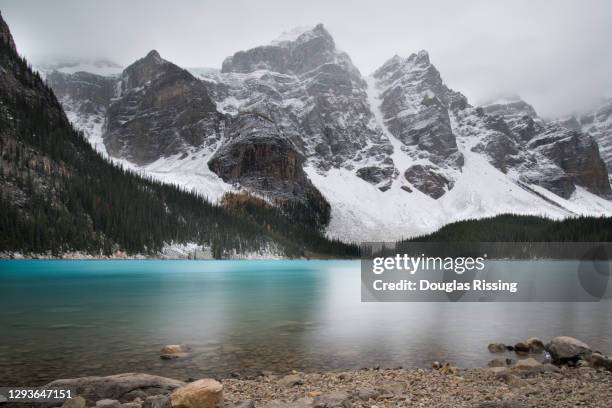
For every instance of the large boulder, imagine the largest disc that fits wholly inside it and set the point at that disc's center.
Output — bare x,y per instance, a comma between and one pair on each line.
565,349
121,387
206,393
535,345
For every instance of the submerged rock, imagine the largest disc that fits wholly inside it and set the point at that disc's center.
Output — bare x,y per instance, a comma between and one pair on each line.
496,347
173,351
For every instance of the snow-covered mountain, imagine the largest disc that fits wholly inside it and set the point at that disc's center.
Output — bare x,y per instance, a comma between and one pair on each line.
382,157
597,123
98,66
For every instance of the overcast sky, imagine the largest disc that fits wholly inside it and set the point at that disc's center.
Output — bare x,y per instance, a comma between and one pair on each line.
556,54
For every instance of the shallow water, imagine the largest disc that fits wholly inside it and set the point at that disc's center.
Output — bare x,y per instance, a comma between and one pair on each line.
62,319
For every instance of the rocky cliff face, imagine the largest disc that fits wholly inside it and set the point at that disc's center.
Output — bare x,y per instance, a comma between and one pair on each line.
415,106
597,123
90,92
161,110
314,93
546,154
260,158
386,156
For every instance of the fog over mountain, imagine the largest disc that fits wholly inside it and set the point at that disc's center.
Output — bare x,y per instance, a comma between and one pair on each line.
556,55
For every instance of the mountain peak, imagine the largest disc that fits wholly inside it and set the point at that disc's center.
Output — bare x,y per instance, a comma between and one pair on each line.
511,106
296,51
5,34
302,34
420,58
154,55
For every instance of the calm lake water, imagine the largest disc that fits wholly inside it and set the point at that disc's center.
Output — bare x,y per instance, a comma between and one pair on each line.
62,319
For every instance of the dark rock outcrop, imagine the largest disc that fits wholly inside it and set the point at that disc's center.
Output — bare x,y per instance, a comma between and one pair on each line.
598,124
162,110
577,155
260,158
428,180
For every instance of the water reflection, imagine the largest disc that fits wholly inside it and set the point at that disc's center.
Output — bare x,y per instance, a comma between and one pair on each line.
66,319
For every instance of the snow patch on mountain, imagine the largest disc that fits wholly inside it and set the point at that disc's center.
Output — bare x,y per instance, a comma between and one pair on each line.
361,212
291,35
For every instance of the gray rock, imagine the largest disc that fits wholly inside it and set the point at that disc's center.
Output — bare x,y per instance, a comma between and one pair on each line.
564,349
157,401
496,362
496,347
527,364
243,404
291,380
598,360
428,179
367,393
503,404
121,387
521,348
332,399
300,403
535,345
76,402
108,403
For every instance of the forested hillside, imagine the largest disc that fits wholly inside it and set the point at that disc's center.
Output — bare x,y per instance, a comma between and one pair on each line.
520,228
58,195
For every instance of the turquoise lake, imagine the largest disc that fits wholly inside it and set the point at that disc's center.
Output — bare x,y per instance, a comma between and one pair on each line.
62,319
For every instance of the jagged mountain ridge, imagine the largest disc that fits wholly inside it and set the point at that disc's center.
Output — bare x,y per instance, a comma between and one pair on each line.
394,154
58,196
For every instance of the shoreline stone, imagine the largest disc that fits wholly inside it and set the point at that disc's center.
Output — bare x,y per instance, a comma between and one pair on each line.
206,393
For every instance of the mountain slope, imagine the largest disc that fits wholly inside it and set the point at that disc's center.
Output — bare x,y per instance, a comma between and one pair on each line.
383,157
597,123
59,195
516,228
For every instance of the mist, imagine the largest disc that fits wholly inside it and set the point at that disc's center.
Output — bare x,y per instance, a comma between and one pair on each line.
557,55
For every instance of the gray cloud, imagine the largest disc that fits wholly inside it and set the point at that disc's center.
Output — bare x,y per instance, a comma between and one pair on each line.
556,54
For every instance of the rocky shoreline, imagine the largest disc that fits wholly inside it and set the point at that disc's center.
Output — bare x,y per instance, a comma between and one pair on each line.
564,372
